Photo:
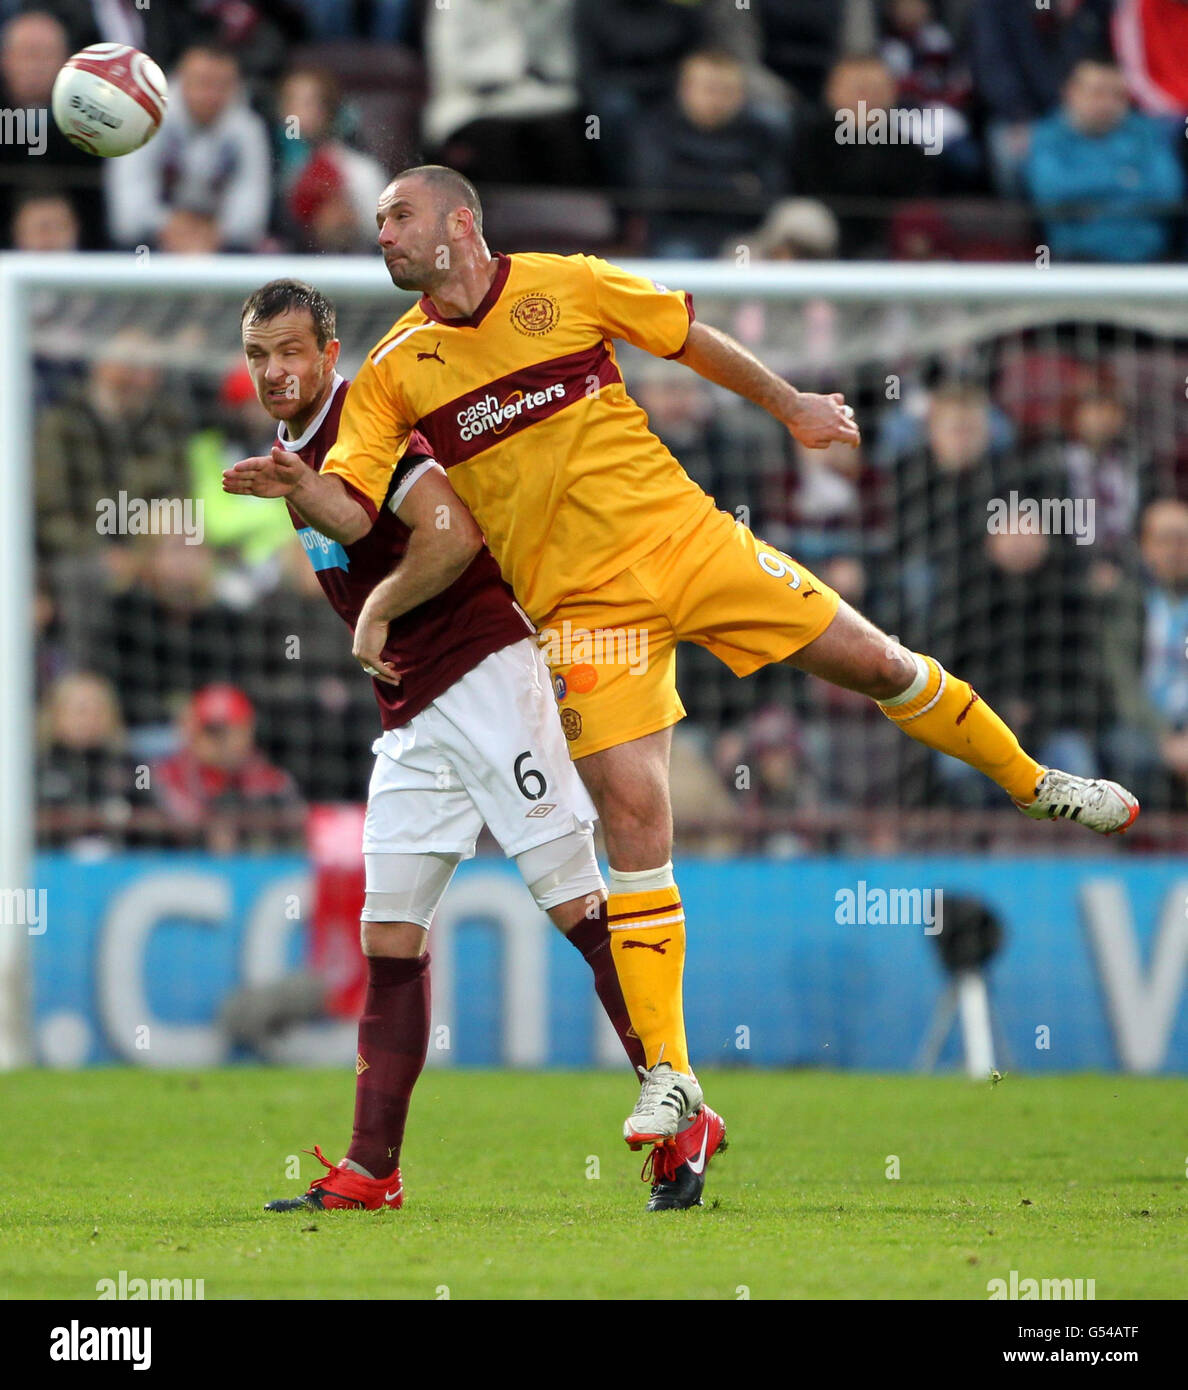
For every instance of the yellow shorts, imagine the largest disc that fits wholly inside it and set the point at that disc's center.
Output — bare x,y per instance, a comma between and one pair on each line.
612,652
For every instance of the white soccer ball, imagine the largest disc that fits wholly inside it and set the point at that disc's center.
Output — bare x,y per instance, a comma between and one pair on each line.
109,99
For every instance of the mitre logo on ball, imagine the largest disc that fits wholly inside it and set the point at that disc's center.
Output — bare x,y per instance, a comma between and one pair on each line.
109,99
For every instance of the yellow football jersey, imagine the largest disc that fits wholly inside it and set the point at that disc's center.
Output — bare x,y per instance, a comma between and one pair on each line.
523,404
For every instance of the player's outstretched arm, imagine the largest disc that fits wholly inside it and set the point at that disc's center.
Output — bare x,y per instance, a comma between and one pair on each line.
444,540
321,499
816,421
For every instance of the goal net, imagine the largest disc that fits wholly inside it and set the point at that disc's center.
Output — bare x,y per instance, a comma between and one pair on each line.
1016,509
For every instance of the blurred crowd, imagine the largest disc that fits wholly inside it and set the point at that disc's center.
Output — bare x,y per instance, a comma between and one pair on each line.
204,692
922,129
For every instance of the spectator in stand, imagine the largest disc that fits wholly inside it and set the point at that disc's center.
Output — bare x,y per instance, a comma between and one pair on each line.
937,494
1151,41
845,152
218,789
204,182
45,222
713,159
247,537
923,58
631,51
328,191
162,630
86,780
161,31
503,99
1144,637
1100,459
386,21
118,431
1018,613
1105,179
33,46
801,42
765,765
1020,53
259,32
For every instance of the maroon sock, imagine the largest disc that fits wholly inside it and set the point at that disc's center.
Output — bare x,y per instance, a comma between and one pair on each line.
393,1041
592,939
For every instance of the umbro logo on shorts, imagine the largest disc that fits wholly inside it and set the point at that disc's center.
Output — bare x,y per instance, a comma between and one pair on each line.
542,808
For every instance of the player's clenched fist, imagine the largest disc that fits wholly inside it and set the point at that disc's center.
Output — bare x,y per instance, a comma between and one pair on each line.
274,475
818,421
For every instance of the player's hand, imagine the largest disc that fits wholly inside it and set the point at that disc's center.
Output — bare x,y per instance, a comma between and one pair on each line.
275,475
819,421
371,637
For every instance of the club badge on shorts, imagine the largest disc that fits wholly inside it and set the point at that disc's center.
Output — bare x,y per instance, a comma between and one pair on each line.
571,724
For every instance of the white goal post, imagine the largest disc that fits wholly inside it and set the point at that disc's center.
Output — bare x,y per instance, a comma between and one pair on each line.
364,278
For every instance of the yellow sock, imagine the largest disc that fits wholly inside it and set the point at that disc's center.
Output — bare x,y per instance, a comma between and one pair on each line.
949,715
647,935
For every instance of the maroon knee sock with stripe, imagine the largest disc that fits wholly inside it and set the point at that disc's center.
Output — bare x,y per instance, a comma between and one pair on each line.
592,939
393,1042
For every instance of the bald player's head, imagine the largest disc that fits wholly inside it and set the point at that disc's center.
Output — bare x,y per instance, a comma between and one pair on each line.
448,188
426,217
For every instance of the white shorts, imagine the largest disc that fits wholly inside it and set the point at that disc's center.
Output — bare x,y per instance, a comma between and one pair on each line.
490,750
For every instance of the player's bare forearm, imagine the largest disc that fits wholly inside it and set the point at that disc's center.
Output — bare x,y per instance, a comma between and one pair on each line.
719,358
430,564
443,540
815,420
322,500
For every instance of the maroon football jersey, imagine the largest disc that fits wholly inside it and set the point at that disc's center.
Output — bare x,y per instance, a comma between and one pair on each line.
435,643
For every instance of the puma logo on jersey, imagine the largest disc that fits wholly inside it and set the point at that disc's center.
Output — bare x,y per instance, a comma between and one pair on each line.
657,946
434,356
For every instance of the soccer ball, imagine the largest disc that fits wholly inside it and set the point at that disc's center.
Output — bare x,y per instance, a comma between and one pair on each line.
109,99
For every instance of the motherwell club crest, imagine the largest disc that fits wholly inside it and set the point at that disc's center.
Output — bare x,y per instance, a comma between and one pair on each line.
535,314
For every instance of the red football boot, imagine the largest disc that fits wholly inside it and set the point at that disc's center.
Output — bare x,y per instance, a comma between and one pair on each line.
344,1189
677,1167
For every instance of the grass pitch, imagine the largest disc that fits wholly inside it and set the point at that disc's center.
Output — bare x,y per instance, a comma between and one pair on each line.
518,1187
